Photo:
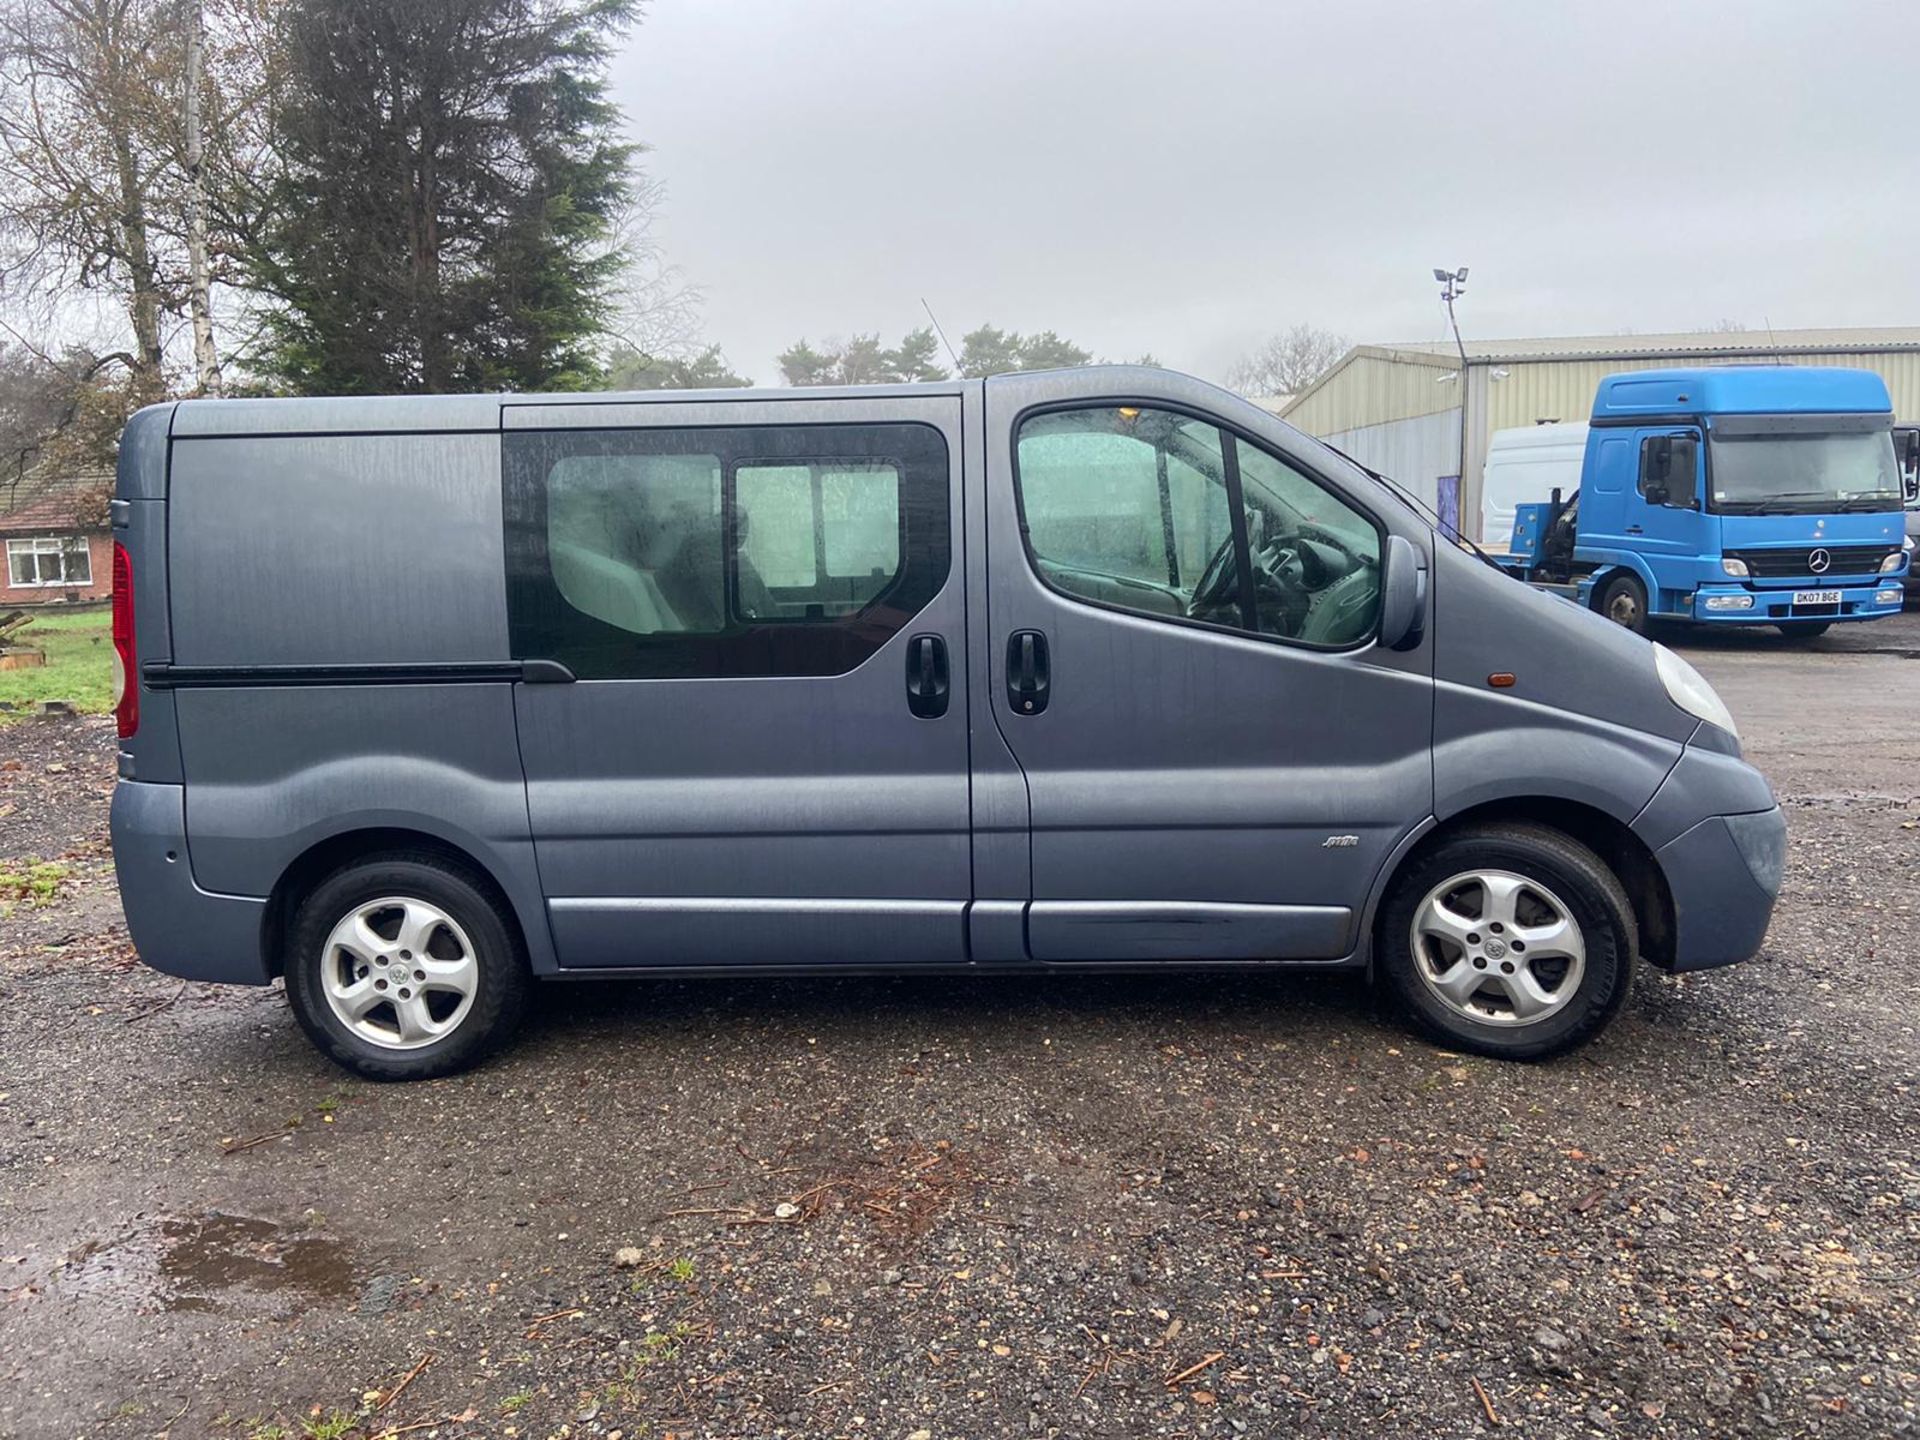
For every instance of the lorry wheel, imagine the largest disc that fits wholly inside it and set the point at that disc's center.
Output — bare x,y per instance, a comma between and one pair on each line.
1514,941
1806,629
403,967
1624,602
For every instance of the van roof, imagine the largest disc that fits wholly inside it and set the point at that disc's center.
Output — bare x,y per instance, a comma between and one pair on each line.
1740,390
1540,437
382,414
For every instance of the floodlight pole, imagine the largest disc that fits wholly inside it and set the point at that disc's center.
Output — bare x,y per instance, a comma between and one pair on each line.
1452,283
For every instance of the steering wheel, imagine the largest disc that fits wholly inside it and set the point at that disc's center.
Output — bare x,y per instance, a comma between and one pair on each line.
1218,585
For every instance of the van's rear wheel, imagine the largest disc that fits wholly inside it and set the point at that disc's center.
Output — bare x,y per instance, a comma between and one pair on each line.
1514,941
1624,601
404,967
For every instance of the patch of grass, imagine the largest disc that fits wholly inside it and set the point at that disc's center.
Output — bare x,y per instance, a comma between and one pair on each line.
267,1430
681,1269
655,1346
330,1426
79,664
32,882
515,1402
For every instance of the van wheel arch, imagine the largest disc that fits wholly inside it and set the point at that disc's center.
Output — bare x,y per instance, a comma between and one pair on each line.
1623,851
351,847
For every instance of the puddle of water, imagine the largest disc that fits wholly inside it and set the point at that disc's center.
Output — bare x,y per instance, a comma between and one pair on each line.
211,1263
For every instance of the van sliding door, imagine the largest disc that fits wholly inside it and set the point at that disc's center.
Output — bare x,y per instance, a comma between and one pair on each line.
761,754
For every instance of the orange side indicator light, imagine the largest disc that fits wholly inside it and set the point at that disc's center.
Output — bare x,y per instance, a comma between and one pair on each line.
1501,680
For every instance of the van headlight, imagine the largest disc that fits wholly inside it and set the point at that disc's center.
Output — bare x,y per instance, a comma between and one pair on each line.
1899,557
1689,689
1733,565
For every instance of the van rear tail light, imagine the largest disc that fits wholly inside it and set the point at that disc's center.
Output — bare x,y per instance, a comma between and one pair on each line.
126,675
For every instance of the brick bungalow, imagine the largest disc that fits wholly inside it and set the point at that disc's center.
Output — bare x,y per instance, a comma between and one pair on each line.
59,548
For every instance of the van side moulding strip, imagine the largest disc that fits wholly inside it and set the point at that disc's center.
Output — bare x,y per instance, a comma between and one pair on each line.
755,905
160,675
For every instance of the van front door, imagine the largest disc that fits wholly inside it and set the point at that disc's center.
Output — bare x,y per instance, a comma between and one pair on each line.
751,744
1220,758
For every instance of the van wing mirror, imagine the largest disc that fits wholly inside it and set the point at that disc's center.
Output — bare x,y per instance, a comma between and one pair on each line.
1403,595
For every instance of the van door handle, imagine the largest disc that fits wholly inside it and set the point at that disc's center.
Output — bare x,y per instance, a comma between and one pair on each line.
1029,677
928,681
1634,530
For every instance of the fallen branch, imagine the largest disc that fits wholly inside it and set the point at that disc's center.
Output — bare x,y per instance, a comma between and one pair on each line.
151,1010
393,1430
405,1380
1173,1381
539,1320
1486,1401
239,1145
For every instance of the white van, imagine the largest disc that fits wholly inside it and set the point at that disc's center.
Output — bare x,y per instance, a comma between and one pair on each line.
1525,465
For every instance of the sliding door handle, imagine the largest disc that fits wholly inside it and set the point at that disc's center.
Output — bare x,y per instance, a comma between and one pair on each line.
928,679
1029,672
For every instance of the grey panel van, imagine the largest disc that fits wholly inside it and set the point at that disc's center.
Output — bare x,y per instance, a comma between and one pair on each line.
426,699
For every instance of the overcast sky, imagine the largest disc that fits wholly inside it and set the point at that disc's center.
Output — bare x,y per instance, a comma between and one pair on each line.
1185,176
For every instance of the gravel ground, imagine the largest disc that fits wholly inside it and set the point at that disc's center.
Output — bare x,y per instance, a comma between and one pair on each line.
981,1207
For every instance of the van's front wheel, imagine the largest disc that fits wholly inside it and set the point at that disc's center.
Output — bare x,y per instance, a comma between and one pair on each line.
1514,941
403,967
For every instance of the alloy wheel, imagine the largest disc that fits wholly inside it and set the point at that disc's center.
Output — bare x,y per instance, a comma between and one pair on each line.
1498,948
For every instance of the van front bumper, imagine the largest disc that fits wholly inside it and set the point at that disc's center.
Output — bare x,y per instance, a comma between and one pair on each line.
1744,605
176,926
1724,875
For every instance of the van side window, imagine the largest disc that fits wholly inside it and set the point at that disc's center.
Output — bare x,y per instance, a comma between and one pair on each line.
1134,508
1123,506
823,539
771,550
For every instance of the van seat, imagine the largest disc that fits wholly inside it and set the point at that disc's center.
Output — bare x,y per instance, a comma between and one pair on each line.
609,589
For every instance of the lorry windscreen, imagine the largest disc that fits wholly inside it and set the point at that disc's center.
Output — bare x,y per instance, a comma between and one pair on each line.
1798,472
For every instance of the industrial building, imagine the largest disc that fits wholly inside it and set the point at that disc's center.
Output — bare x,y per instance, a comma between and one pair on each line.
1398,408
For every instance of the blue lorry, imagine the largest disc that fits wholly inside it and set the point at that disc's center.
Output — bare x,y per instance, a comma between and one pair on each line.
1732,495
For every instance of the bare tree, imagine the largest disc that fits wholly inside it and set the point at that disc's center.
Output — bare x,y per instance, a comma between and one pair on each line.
106,189
653,315
1288,362
77,191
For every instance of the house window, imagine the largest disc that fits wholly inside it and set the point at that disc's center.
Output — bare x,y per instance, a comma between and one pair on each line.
49,561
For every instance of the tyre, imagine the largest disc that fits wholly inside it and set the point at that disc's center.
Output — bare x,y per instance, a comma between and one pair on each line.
1514,941
1624,601
1806,629
405,967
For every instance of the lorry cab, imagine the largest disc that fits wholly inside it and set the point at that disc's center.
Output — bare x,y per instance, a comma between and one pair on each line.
1741,495
427,699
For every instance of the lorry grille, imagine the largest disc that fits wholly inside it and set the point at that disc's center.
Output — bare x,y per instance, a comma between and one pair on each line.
1797,561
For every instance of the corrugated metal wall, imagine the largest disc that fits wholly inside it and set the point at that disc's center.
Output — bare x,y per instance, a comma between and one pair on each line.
1416,452
1373,389
1563,389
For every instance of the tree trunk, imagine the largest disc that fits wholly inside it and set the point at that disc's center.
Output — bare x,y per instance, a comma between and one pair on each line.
144,301
206,360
